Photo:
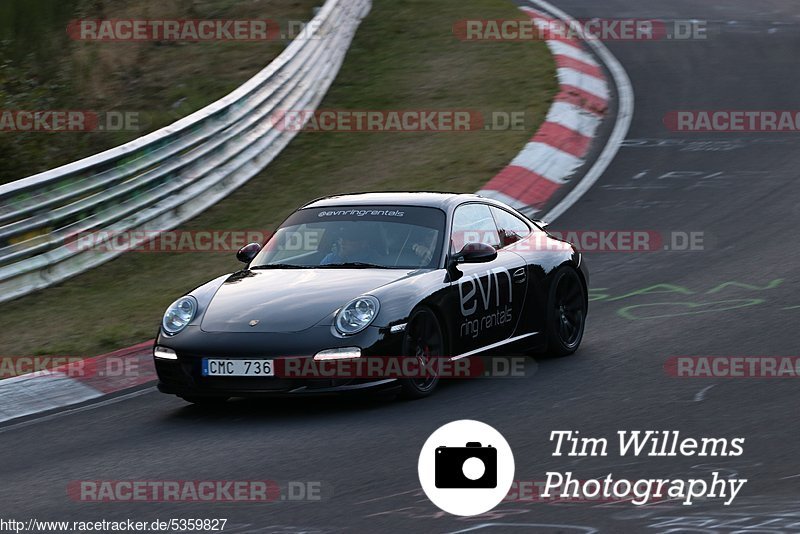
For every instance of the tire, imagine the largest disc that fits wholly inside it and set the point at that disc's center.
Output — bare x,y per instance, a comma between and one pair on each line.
566,313
208,402
424,339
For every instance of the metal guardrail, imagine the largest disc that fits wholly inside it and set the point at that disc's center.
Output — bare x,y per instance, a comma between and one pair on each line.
157,181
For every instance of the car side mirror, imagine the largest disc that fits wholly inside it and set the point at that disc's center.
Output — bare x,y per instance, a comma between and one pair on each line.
471,253
476,253
541,224
248,252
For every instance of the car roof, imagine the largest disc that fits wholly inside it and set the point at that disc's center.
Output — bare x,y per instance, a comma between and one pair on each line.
400,198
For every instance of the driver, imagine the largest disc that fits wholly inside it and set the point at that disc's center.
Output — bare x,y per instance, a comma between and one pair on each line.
352,247
424,245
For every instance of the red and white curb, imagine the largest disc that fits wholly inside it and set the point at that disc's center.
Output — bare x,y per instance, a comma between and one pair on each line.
73,383
560,147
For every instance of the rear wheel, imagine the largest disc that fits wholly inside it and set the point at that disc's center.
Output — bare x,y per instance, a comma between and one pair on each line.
423,340
566,313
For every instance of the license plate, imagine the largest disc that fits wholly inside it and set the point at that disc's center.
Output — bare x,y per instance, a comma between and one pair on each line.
220,367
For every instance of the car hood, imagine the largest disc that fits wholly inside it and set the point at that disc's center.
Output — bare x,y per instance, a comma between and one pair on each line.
288,300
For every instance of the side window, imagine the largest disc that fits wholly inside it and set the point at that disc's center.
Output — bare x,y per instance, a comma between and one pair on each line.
473,223
510,227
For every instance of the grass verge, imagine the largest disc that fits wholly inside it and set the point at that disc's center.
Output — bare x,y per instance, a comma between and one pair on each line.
404,57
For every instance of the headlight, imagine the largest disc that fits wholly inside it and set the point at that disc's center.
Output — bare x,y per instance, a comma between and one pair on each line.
356,315
179,314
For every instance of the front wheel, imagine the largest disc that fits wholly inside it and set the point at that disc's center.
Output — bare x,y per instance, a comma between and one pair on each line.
566,313
423,340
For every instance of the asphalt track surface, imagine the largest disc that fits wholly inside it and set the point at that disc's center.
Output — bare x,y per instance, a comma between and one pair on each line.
741,190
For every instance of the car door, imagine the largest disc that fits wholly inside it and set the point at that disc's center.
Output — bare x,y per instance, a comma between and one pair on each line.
488,298
516,236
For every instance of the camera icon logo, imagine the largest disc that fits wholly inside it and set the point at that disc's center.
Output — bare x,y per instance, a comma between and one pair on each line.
464,476
472,466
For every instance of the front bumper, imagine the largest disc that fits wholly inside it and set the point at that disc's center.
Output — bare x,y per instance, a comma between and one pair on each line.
183,376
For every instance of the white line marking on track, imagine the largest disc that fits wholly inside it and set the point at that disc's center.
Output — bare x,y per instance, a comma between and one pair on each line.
701,395
624,117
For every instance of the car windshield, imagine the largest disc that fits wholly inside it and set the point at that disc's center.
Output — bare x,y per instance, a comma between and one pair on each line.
386,237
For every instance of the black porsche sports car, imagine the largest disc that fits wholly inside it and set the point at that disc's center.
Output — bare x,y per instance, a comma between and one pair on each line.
414,276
